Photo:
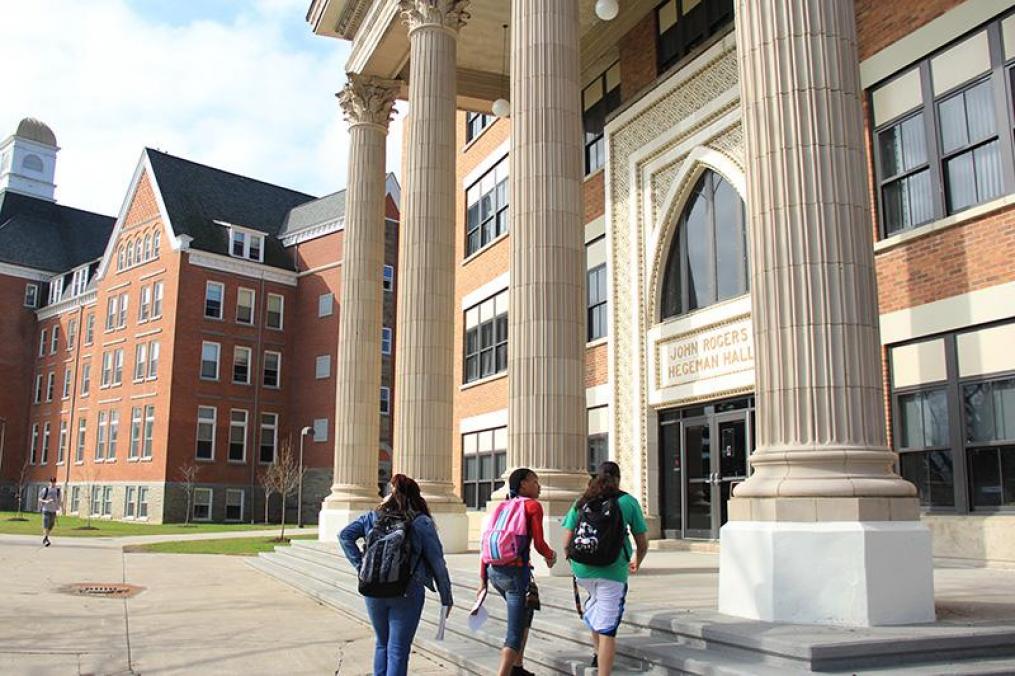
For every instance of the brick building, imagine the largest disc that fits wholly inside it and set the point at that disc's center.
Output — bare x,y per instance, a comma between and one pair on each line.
199,327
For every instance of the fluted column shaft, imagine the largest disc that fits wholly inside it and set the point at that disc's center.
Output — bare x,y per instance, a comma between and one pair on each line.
367,105
820,417
424,354
546,318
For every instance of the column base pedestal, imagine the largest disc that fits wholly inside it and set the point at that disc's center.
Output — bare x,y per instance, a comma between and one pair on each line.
452,527
333,517
859,573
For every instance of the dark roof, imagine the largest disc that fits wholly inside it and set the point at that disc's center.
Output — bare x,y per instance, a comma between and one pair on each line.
328,208
197,195
40,234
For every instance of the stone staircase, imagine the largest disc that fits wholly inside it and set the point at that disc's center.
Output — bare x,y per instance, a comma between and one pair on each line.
651,642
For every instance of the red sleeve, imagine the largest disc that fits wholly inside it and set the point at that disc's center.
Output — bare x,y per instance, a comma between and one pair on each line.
534,511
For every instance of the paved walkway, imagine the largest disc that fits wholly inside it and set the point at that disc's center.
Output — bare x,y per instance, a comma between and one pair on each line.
198,614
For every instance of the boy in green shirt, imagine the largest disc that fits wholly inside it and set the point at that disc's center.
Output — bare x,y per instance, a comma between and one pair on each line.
606,585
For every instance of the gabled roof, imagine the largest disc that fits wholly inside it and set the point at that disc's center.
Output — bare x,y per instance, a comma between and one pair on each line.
328,209
40,234
196,196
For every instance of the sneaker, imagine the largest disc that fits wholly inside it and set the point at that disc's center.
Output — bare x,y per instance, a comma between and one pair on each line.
521,671
595,660
45,541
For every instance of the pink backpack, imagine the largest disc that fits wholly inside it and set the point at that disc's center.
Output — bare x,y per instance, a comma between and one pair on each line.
506,534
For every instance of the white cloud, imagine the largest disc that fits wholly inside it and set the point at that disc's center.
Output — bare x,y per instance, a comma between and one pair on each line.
241,94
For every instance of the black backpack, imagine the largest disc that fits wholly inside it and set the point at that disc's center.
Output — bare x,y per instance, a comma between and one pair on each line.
600,533
386,568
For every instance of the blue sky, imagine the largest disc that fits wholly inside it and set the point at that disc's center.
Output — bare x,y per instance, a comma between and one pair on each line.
243,85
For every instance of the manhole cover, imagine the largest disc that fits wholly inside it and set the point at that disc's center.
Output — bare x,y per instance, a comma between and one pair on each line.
102,590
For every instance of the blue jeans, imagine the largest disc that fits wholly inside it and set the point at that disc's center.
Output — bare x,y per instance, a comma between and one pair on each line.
395,621
512,582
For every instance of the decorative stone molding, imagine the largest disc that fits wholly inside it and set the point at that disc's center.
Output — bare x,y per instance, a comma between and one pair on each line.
368,100
449,14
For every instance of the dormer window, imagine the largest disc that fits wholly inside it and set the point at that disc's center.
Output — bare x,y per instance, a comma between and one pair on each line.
246,244
55,289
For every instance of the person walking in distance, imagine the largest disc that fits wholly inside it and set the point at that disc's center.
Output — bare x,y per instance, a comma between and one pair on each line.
402,556
49,504
597,545
514,527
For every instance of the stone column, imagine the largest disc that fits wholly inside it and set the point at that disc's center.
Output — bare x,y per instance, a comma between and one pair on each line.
424,352
824,531
366,103
546,316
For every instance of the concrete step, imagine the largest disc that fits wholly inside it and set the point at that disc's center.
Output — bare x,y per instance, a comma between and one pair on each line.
677,545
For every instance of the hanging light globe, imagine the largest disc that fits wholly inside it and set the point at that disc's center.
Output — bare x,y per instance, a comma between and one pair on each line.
607,9
501,108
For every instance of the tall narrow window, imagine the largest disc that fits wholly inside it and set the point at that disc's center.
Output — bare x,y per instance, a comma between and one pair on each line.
86,379
31,295
100,438
72,333
112,312
135,432
244,306
140,361
61,445
214,293
484,461
486,338
114,434
269,437
272,376
42,343
596,322
325,304
241,365
54,343
44,457
35,444
237,436
158,291
38,388
124,303
50,385
90,329
107,369
149,432
210,360
234,504
144,306
925,458
486,200
205,433
600,98
276,305
153,360
322,366
388,281
79,452
385,400
66,383
117,366
385,340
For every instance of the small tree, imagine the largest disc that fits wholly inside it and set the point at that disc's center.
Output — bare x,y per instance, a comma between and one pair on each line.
21,485
88,475
266,479
285,476
188,477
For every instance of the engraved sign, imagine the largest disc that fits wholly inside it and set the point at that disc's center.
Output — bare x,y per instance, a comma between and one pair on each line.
707,353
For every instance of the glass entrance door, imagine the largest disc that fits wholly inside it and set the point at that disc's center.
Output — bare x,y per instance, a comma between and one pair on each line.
699,502
731,456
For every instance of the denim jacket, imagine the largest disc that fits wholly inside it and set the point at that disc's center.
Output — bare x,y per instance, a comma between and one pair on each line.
425,545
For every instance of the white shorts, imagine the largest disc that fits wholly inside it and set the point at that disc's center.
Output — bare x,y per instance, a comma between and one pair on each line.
605,604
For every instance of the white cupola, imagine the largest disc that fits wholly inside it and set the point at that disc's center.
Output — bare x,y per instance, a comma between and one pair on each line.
28,160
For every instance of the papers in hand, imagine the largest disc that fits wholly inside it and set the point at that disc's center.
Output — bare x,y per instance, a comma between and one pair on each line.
441,622
478,614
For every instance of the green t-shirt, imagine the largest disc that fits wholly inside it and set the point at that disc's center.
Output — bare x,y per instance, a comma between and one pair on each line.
634,519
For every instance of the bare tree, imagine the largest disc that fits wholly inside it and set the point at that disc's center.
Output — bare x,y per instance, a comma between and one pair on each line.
267,482
88,475
188,472
285,476
20,486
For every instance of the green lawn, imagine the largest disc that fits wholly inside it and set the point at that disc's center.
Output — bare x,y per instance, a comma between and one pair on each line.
231,546
70,526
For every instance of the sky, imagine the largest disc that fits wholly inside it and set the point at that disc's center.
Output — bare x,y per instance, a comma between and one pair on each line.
241,85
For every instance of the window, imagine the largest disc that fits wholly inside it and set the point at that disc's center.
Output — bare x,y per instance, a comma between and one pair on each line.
44,458
79,452
234,504
708,255
269,437
144,307
476,123
72,333
121,258
388,282
486,216
925,458
990,440
322,366
32,295
38,388
385,400
385,340
244,306
129,502
153,360
320,429
325,304
241,365
600,98
685,24
50,385
158,291
75,499
90,329
941,133
210,360
55,289
147,247
140,361
486,338
107,500
247,245
61,445
117,366
237,436
135,432
35,443
112,311
124,302
205,433
149,432
42,343
107,369
276,304
213,297
130,254
114,434
66,383
86,379
96,499
54,343
202,504
142,491
156,242
100,438
79,282
484,461
272,376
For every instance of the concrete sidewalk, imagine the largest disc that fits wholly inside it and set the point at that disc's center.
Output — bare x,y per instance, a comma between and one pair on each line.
198,614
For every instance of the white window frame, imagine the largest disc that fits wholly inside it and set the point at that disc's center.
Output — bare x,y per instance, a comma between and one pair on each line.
144,306
237,351
234,424
107,501
75,500
264,365
54,340
72,333
243,497
118,366
86,379
386,340
113,436
140,361
246,236
90,329
329,299
61,448
218,360
222,302
66,383
35,444
271,427
129,502
385,400
44,454
79,451
148,439
206,499
136,433
112,312
320,430
253,305
42,343
124,307
100,437
158,294
281,311
142,499
322,367
31,295
388,278
154,349
213,422
50,385
107,369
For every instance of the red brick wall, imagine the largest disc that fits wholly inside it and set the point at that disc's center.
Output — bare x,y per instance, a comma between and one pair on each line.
638,57
594,193
18,343
880,23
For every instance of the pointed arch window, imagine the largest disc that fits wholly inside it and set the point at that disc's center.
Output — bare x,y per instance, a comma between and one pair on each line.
707,261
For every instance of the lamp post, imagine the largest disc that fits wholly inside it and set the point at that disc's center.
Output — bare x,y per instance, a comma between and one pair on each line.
299,491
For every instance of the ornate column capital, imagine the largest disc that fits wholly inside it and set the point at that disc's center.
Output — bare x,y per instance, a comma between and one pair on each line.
447,14
368,100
